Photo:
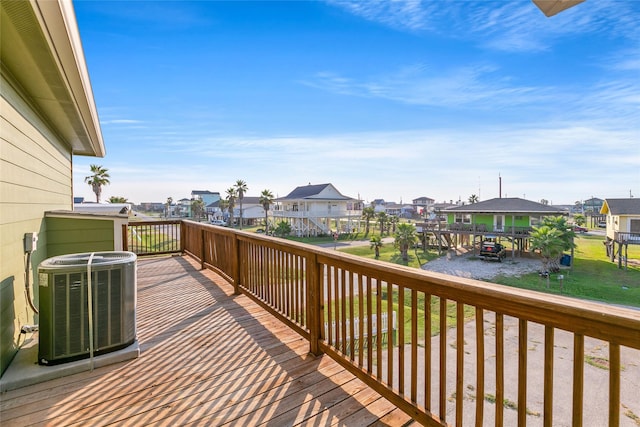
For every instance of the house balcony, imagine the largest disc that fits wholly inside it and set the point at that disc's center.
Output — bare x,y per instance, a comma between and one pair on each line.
486,229
245,329
329,213
627,237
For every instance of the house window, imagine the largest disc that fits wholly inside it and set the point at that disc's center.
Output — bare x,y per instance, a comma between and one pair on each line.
463,218
634,226
295,207
534,221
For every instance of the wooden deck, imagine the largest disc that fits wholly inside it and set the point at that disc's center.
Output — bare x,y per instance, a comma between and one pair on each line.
207,358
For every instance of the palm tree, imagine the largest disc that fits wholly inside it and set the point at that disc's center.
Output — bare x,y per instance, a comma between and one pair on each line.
197,209
99,178
376,244
223,205
169,203
549,242
473,199
118,199
393,220
367,213
382,219
405,237
241,188
231,203
266,198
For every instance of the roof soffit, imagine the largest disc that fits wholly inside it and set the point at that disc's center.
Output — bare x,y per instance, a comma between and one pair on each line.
41,52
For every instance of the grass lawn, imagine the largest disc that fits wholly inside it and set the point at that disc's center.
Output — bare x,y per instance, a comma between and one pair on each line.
592,277
390,254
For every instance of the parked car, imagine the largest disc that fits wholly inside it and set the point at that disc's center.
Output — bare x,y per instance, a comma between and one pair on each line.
602,224
492,250
579,229
219,222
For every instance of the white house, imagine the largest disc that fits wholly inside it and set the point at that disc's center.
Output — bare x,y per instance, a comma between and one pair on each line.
252,210
318,209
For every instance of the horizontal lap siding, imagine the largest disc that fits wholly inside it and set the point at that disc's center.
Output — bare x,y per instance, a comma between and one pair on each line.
35,177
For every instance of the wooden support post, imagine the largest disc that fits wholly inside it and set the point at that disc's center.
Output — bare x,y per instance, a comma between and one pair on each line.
183,236
235,247
202,248
125,237
619,255
314,303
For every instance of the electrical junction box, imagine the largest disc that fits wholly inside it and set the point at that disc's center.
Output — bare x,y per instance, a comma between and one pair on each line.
30,242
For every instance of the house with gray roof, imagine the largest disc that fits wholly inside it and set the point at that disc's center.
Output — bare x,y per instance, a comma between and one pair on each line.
623,219
501,214
317,209
500,218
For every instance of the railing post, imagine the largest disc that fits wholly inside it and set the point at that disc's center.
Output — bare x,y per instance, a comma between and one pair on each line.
235,245
125,237
183,236
314,303
202,248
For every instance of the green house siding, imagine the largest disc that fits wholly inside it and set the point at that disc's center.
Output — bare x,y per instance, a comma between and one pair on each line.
488,220
74,235
35,176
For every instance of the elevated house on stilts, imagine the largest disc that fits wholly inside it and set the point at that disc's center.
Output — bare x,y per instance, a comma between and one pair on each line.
623,227
506,220
316,210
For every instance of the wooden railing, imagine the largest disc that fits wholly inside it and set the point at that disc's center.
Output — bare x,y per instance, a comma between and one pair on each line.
627,237
152,237
439,368
483,228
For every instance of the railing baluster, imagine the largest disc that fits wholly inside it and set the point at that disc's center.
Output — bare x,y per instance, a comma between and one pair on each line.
379,329
459,361
443,359
522,372
614,384
578,378
338,312
479,366
370,336
427,352
414,346
343,313
548,375
389,333
401,340
499,370
361,325
329,304
350,290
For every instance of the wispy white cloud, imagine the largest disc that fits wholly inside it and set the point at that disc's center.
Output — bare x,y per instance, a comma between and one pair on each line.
508,26
421,85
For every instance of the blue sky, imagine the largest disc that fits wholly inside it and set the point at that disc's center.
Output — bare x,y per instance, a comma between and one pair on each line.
393,100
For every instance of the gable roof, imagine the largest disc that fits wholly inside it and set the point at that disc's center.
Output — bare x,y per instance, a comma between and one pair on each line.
313,192
621,207
508,205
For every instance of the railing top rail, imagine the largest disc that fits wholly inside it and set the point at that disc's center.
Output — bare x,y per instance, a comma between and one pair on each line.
154,222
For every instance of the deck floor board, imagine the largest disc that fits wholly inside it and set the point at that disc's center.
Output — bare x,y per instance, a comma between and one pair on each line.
208,357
